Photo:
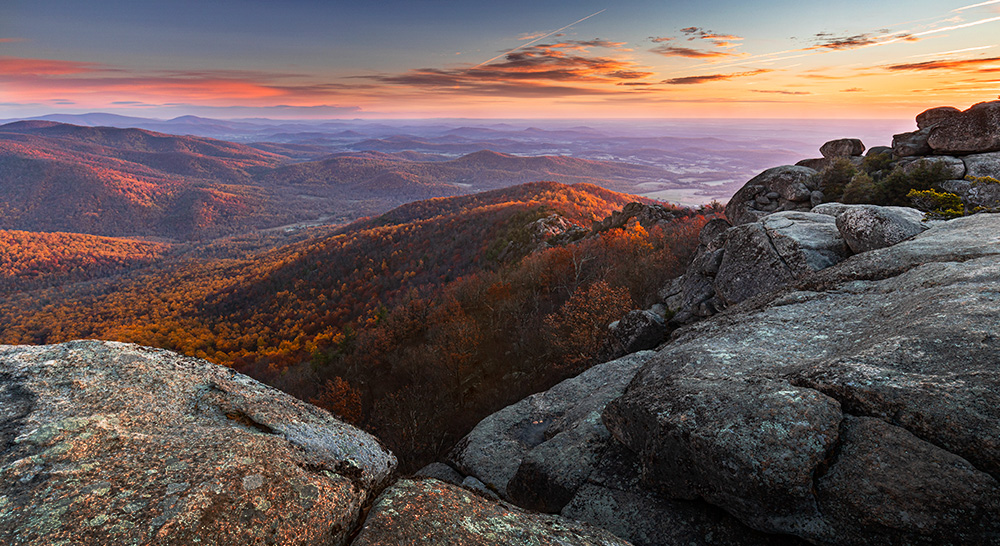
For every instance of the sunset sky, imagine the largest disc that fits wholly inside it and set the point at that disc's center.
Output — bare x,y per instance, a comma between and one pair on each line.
501,59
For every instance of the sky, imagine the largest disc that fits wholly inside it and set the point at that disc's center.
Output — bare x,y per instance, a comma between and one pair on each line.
298,59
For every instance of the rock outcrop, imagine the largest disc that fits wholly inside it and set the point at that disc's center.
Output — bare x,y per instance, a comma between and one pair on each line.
844,147
109,443
778,189
860,407
973,131
648,216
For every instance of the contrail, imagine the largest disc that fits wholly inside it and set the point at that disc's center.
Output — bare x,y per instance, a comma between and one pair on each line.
965,25
540,38
976,5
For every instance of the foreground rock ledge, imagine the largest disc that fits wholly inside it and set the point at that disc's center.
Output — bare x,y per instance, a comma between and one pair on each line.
110,443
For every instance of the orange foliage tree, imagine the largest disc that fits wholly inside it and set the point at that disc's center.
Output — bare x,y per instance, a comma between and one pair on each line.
578,329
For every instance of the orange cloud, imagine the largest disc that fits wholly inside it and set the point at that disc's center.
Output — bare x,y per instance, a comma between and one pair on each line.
991,64
690,80
43,67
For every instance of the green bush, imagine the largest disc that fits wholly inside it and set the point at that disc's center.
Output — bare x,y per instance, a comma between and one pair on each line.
835,177
861,189
898,183
876,163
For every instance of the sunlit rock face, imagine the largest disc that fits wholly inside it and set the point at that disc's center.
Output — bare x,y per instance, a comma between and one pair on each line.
110,443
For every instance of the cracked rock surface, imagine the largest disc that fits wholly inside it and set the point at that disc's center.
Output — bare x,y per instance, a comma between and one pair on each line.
861,406
111,443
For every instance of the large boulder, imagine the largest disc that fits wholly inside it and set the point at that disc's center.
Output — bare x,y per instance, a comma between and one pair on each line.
494,450
109,443
767,255
973,131
878,150
421,512
639,330
844,147
979,165
557,456
933,116
975,194
777,189
861,406
868,227
911,144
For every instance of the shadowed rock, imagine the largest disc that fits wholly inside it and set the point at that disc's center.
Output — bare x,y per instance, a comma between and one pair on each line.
973,131
109,443
951,167
432,512
494,451
614,499
911,144
767,255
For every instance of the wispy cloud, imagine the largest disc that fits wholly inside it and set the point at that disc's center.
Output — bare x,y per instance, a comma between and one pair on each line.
780,92
16,66
542,70
952,52
825,40
852,90
691,80
720,45
11,40
55,77
990,64
720,40
668,50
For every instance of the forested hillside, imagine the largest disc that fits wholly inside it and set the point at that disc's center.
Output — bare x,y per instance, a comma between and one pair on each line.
32,260
414,324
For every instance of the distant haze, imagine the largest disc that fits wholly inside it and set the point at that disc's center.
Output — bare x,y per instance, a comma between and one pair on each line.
689,162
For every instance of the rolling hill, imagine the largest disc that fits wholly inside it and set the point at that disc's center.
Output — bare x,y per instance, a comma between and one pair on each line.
134,182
